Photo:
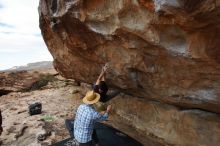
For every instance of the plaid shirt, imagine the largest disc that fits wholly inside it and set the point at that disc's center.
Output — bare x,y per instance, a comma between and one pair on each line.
85,119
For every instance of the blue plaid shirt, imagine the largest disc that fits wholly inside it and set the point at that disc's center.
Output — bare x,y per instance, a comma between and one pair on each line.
85,119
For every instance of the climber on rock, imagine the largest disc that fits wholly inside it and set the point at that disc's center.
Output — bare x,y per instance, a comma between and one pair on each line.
101,87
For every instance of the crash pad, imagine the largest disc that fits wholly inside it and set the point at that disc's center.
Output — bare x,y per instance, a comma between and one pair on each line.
107,135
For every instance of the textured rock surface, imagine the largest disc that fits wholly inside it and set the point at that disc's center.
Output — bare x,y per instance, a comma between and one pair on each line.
16,81
157,124
161,50
167,124
19,80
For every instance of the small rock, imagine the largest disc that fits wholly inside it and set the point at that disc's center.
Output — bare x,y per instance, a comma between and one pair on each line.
62,116
10,130
43,136
21,131
74,91
76,83
16,123
22,111
40,124
13,109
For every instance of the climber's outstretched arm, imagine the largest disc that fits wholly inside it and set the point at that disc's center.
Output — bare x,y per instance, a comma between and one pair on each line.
99,78
102,75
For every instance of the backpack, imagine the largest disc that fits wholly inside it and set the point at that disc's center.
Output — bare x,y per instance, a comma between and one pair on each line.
35,108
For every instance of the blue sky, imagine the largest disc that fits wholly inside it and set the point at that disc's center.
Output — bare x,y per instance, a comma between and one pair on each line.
20,38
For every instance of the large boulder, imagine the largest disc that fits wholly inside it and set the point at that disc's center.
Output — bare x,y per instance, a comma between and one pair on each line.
164,53
160,50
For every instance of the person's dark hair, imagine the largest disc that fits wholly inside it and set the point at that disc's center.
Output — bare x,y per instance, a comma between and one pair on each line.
103,86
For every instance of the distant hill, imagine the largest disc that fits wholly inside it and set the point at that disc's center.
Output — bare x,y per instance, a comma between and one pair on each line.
33,66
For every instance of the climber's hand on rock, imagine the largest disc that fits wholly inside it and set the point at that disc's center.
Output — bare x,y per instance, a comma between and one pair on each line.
109,107
105,67
102,112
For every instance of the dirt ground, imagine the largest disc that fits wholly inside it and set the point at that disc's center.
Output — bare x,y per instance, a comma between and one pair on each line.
59,100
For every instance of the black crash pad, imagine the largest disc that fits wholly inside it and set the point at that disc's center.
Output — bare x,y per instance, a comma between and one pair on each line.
108,136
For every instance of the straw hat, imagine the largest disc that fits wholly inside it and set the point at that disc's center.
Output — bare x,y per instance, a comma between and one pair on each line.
91,97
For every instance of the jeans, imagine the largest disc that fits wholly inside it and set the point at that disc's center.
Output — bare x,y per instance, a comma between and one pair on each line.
69,125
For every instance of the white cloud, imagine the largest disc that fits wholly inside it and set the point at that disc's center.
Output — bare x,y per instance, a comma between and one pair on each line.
22,14
19,34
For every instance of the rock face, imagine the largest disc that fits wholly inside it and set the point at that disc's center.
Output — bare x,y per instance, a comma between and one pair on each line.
167,124
16,81
161,50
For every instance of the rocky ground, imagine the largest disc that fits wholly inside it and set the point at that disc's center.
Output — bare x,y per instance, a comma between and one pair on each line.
59,98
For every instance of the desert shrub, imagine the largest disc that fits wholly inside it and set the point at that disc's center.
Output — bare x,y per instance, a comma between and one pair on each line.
47,118
43,81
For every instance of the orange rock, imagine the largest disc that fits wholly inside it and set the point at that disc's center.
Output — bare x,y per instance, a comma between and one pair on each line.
157,49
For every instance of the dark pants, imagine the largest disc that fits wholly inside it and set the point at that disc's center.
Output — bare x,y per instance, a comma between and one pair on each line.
110,95
95,137
69,125
105,97
86,144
